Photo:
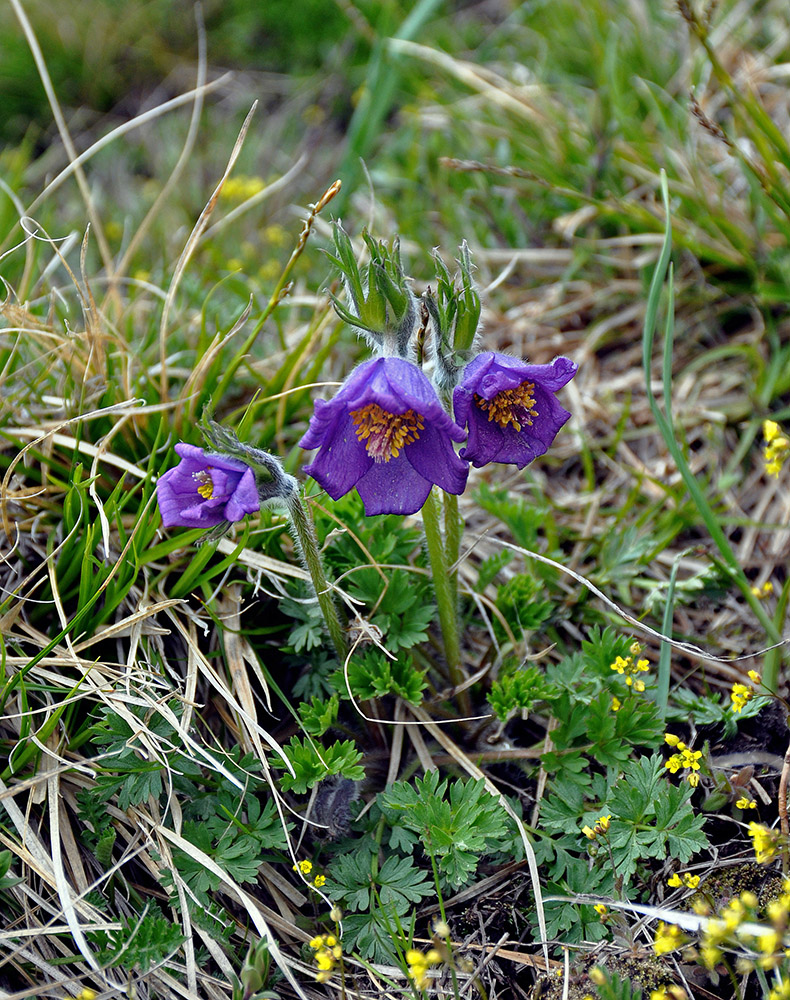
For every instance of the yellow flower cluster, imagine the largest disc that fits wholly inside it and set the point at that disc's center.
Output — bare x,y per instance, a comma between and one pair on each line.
627,667
305,867
745,803
743,693
781,991
419,963
601,826
762,592
684,759
765,842
241,188
777,447
327,954
687,879
672,992
668,938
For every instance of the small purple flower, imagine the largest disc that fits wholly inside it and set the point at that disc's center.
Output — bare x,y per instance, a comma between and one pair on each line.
386,433
205,490
510,408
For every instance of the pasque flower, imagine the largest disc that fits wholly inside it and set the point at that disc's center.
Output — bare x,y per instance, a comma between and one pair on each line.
386,433
205,489
510,408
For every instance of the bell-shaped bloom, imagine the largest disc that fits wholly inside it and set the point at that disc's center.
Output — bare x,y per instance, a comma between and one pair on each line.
509,407
205,490
386,433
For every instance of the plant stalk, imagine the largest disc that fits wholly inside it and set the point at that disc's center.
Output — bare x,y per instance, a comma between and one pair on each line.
306,539
444,589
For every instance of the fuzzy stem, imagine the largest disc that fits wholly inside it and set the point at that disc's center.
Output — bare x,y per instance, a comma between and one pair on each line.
304,532
452,536
443,588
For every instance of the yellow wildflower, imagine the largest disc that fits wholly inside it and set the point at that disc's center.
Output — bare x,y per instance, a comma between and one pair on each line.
616,704
419,964
86,993
764,842
754,677
674,763
744,802
668,938
319,881
305,867
241,188
328,952
674,741
588,832
710,955
601,909
626,667
740,695
776,447
687,879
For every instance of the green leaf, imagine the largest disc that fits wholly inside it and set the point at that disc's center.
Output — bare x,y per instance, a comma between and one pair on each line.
139,943
312,762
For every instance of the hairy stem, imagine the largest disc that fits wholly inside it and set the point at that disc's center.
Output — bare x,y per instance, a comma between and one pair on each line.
304,532
443,588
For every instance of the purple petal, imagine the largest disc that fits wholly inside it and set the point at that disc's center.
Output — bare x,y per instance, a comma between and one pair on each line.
401,484
393,487
244,499
234,492
434,458
491,373
488,442
342,458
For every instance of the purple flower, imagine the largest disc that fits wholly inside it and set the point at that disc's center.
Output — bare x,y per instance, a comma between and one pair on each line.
510,408
386,433
205,490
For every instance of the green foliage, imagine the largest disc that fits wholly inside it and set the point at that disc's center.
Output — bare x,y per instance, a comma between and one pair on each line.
6,880
312,762
454,821
518,689
710,709
403,603
525,519
576,923
319,715
398,883
237,854
650,816
139,943
657,819
126,772
614,987
374,675
523,605
309,633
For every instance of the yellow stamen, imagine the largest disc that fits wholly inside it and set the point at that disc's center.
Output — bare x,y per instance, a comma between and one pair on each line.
511,406
385,434
206,488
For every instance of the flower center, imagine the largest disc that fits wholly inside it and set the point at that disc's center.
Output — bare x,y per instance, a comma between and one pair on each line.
206,487
386,433
511,406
